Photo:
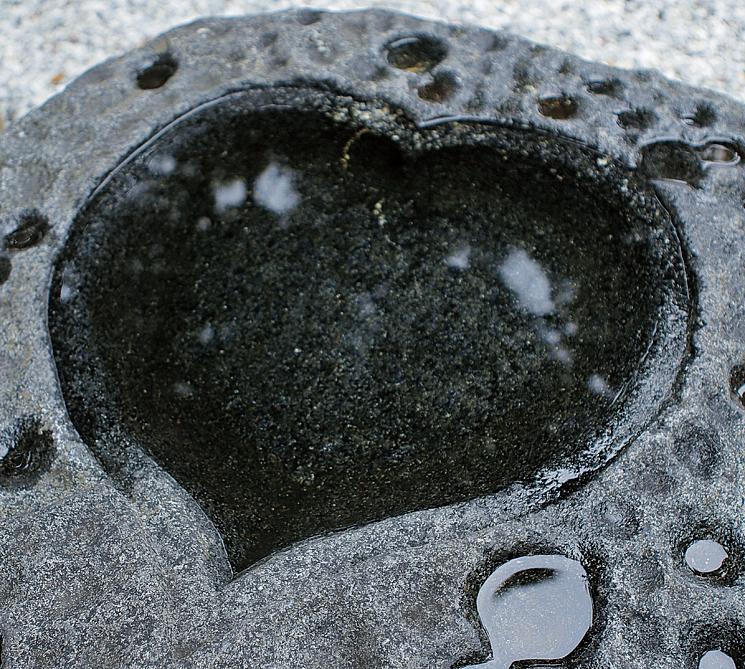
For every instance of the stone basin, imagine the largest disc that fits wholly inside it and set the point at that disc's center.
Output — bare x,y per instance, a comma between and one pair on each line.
315,320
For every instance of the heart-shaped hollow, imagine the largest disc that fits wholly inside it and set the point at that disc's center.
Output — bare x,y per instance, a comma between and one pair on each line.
314,315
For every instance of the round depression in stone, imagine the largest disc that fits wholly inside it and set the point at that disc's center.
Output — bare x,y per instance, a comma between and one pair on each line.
312,325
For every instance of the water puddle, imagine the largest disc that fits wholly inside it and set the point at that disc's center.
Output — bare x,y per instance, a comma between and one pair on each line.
705,556
673,160
716,659
536,608
311,328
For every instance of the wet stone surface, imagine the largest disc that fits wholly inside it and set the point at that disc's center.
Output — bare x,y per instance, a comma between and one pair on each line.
353,340
319,330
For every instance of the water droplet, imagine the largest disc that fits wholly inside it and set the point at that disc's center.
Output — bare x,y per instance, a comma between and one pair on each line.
66,293
716,659
705,556
719,154
31,230
559,107
274,189
528,281
534,608
416,53
229,194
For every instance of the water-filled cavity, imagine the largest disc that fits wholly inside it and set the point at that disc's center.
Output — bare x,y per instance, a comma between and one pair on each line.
157,73
716,659
441,88
705,556
535,608
311,326
416,53
559,107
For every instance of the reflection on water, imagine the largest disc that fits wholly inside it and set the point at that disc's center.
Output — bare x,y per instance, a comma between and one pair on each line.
162,164
418,335
534,608
229,194
716,659
274,189
528,281
705,556
460,258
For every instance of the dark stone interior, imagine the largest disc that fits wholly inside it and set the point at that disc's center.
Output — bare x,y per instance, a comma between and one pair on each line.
312,327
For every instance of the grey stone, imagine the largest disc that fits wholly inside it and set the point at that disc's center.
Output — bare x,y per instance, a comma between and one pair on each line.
107,561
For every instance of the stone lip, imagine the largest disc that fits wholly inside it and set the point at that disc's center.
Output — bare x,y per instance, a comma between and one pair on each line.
96,573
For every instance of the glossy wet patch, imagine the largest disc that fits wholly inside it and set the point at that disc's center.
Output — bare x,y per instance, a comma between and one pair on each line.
157,73
312,326
534,608
416,53
705,556
559,107
672,160
441,88
716,153
716,659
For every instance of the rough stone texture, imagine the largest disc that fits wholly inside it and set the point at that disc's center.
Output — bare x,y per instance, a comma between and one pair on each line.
93,574
47,43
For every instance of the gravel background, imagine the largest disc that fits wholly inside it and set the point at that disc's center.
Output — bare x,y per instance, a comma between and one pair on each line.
46,43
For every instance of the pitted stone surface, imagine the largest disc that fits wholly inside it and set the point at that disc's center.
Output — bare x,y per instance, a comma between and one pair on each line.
104,570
